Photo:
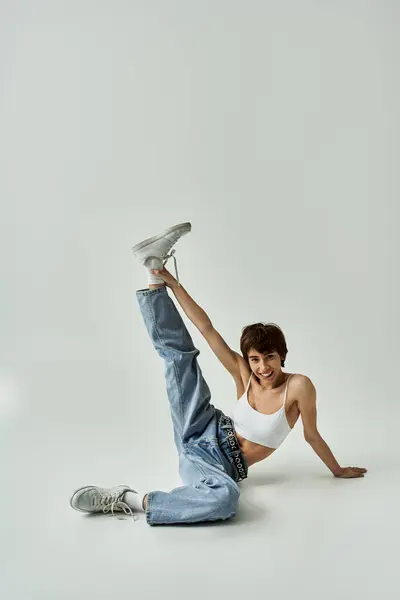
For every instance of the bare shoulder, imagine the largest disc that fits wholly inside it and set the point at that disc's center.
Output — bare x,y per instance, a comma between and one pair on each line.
302,387
300,382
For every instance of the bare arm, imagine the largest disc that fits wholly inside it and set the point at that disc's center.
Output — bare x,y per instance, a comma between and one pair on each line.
231,360
308,410
222,351
192,310
228,357
322,450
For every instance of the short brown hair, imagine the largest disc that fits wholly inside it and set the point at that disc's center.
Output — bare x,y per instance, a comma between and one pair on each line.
265,338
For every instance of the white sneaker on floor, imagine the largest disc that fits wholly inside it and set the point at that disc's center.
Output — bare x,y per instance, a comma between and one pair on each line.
152,253
92,499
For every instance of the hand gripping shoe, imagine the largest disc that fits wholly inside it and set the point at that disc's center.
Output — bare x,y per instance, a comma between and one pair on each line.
152,253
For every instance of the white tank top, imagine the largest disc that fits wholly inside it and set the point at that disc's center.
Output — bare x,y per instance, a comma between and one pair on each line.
267,430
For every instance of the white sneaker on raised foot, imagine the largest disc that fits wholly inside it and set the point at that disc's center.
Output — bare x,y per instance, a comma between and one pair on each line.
152,253
92,499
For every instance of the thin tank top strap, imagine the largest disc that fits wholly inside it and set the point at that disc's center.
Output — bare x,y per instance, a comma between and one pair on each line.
287,383
248,385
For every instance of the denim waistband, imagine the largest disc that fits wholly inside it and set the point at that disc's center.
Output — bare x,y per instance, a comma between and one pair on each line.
232,448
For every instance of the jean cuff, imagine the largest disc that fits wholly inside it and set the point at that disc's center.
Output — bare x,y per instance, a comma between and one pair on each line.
147,292
148,508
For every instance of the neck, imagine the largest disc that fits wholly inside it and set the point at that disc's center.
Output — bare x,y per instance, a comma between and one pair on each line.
274,384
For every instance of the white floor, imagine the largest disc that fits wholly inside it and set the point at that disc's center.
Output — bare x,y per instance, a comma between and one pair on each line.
299,532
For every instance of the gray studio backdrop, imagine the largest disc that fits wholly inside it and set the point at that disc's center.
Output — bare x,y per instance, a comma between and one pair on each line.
273,128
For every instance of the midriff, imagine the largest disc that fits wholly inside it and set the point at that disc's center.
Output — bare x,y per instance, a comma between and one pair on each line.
253,452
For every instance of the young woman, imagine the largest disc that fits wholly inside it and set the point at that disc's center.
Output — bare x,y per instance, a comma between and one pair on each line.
215,451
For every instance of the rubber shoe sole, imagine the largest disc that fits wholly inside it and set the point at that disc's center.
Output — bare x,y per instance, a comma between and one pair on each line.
184,227
75,498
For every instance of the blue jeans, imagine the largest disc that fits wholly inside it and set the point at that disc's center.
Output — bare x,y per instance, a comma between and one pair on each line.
210,475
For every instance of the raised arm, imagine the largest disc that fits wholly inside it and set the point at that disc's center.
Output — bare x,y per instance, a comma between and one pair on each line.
229,358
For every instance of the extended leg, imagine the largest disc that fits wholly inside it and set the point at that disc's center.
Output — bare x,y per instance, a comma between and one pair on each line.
187,390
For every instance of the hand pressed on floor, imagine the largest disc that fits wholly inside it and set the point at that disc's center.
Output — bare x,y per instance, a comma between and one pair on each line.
350,472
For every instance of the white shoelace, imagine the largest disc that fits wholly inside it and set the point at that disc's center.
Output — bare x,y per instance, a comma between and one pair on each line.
175,263
113,501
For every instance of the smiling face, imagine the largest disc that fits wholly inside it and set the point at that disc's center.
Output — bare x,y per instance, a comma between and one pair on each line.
267,367
263,346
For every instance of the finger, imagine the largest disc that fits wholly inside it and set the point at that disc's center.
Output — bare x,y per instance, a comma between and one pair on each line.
352,473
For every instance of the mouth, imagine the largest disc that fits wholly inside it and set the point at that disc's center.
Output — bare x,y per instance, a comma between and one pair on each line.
266,375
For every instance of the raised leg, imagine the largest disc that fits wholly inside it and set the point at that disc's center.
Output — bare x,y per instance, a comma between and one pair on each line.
188,392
